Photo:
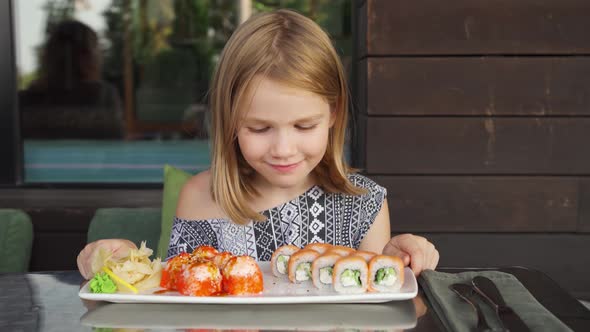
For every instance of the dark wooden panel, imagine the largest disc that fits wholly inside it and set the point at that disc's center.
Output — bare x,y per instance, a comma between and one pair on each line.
66,219
584,215
56,251
558,255
481,204
476,86
478,146
478,27
60,198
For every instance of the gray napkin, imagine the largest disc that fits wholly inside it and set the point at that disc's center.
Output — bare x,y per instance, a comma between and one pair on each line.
458,315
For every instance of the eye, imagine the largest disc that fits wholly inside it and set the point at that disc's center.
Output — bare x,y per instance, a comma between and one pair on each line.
306,127
258,130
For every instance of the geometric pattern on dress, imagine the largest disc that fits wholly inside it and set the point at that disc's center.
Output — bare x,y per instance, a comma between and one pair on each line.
314,216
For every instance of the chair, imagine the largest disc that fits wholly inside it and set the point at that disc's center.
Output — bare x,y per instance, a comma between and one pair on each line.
16,240
135,224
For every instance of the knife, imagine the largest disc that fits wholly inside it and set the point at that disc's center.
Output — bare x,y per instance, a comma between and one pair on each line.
467,293
488,290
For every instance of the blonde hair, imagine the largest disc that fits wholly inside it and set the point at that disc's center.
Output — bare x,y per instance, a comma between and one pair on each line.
291,49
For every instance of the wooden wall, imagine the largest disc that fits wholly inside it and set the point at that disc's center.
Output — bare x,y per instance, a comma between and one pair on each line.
476,117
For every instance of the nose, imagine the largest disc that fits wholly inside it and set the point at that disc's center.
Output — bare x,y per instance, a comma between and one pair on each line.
283,145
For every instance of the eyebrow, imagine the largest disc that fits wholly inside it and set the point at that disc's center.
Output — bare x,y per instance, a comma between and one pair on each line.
305,119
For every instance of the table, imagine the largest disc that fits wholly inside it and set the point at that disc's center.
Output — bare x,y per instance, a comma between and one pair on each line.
48,301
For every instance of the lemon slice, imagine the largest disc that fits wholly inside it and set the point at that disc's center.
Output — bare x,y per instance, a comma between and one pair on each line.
119,280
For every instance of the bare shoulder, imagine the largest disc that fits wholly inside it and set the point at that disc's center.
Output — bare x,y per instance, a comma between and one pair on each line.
195,201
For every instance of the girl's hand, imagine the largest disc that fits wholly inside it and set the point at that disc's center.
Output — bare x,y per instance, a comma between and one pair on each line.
414,250
119,248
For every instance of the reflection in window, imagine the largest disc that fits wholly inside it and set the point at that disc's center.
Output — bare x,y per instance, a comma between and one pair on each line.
111,90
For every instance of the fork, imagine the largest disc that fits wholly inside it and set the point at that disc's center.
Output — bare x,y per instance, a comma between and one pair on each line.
467,293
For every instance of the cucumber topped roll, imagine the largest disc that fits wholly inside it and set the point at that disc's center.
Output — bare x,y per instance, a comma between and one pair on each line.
279,261
350,275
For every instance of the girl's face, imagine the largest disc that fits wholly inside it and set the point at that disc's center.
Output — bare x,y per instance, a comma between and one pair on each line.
284,134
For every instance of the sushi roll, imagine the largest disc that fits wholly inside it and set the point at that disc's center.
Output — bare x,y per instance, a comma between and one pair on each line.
221,259
204,253
201,279
173,270
386,273
366,255
350,275
321,270
241,276
300,265
279,261
321,248
341,250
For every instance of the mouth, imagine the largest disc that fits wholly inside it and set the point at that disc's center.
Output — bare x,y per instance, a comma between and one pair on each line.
286,167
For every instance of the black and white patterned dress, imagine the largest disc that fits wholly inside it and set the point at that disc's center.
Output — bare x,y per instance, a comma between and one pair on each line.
314,216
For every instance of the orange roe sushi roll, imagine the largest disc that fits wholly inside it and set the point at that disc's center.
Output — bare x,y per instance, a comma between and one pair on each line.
321,248
241,276
174,267
204,253
221,259
201,279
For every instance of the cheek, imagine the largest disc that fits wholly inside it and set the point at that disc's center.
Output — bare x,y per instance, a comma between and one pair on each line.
251,147
316,143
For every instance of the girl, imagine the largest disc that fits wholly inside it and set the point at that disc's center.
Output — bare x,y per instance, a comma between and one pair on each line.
278,176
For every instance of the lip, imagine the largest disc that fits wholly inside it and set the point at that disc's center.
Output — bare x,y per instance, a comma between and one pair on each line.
285,168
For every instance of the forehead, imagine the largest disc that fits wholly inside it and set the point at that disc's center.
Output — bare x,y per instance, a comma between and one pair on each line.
274,101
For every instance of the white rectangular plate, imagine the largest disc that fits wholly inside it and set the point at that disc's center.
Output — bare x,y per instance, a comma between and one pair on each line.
276,291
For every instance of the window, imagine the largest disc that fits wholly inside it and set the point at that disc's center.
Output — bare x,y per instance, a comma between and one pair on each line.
111,90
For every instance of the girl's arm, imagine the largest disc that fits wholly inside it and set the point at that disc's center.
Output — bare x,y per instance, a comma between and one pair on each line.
379,233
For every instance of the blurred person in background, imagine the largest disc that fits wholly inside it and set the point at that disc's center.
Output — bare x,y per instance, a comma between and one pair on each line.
69,100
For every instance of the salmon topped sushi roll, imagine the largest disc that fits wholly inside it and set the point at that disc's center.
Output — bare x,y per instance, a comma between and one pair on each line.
321,248
341,250
300,265
322,269
201,279
279,261
386,273
350,275
241,276
366,255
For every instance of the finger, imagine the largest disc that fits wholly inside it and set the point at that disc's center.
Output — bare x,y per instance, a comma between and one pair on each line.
412,247
391,250
82,262
417,261
434,259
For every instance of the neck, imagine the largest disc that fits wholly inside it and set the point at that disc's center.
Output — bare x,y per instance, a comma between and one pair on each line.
271,195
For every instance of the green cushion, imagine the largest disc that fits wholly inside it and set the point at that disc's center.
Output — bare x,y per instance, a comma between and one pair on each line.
135,224
16,240
174,179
